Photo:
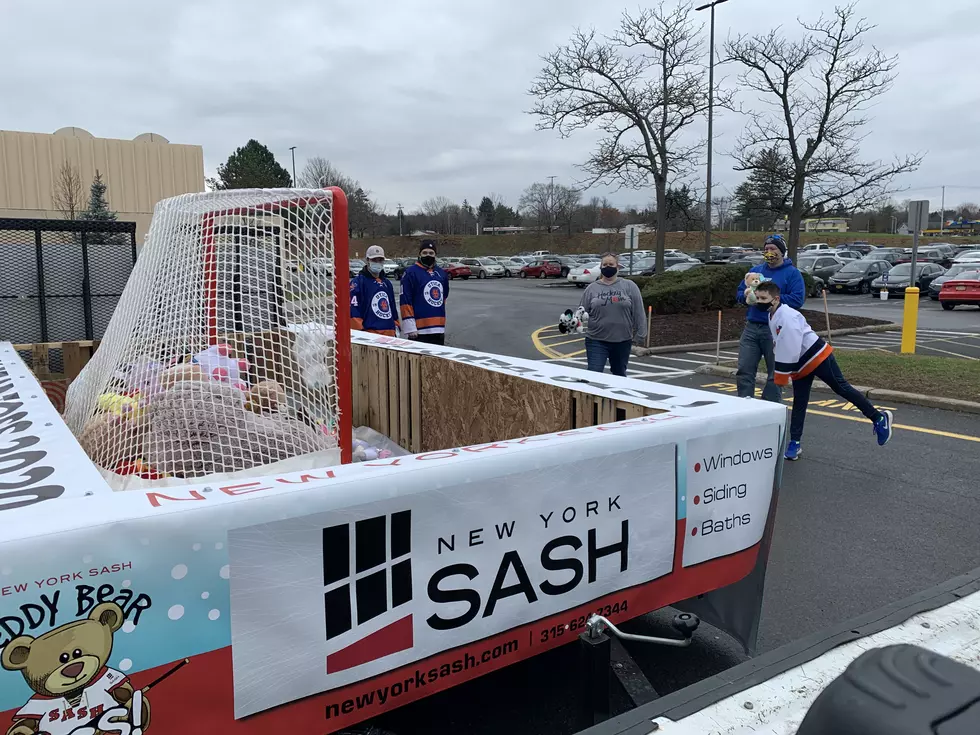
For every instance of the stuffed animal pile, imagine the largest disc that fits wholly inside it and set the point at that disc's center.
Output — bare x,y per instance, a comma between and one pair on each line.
195,416
574,321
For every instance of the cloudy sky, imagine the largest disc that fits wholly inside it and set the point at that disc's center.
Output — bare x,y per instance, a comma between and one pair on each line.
419,98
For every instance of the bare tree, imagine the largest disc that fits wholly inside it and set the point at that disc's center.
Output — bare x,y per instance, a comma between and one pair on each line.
818,89
549,205
68,196
319,173
641,88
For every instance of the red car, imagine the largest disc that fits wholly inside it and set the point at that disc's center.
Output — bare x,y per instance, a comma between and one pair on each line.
457,270
542,269
965,289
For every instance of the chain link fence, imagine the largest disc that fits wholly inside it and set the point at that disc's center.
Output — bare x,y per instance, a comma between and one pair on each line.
62,278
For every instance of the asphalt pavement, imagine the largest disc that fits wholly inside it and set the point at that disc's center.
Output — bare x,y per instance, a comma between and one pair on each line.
858,526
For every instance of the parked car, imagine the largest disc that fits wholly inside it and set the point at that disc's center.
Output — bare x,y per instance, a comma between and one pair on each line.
542,269
355,266
928,255
456,270
583,275
960,249
964,289
483,267
856,276
749,259
512,266
848,254
946,247
954,271
816,246
890,256
685,266
393,269
817,288
649,268
970,256
821,266
567,263
896,280
861,247
640,267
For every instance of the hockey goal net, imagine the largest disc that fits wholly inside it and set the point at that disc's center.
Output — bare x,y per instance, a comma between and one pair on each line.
229,351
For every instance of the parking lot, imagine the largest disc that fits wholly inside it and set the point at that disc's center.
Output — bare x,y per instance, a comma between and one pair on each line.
858,525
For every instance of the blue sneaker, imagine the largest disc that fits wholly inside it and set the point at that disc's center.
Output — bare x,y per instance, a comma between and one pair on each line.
793,451
883,428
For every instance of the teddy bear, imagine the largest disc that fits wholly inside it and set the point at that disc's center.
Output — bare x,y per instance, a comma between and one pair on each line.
265,397
752,280
73,687
180,372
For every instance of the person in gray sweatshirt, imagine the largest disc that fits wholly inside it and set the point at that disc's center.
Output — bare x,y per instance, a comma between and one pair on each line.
616,318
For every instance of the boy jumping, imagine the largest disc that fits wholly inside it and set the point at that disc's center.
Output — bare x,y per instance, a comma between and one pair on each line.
801,355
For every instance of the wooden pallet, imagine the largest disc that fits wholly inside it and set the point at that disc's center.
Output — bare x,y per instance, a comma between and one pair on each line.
74,356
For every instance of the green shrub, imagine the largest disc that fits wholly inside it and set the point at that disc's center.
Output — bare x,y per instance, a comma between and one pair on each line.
702,289
687,292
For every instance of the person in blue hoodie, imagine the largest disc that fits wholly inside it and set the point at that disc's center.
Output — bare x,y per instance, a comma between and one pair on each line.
756,342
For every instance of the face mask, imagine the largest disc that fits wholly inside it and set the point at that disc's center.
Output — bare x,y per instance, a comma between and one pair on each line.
376,268
771,257
608,271
427,260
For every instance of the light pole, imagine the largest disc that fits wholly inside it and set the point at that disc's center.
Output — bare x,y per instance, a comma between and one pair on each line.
711,111
292,150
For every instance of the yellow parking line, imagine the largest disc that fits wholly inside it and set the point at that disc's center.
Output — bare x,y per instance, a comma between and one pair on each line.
729,388
919,429
575,354
567,342
542,347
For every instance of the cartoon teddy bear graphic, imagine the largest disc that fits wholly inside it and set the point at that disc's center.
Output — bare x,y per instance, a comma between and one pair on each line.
75,692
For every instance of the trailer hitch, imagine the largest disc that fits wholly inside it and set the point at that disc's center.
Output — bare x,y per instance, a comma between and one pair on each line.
684,623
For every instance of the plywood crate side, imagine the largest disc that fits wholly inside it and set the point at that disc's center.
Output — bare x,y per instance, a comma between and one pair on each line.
466,404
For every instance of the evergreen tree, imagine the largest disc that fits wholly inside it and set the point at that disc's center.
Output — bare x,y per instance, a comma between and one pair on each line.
486,211
98,211
251,167
765,195
98,208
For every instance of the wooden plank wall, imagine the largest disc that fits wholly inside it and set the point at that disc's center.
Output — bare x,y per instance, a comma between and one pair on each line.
466,404
592,410
74,356
387,387
426,403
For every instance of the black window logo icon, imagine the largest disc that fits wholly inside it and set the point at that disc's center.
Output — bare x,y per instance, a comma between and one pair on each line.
379,576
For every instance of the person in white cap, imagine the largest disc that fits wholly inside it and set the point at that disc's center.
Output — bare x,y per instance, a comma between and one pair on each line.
372,297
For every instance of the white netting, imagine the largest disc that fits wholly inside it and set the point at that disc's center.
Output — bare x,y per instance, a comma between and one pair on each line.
221,355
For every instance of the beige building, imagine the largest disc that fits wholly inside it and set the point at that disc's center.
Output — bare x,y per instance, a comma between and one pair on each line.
138,173
821,224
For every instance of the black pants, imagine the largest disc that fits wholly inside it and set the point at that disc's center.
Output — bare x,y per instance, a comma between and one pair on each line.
432,339
829,372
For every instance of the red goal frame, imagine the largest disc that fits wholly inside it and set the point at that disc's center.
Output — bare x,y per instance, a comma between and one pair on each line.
341,295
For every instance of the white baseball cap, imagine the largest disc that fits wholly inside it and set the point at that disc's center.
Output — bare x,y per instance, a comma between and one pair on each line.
375,251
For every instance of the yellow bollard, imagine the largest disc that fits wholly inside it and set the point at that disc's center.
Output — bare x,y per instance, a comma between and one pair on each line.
911,320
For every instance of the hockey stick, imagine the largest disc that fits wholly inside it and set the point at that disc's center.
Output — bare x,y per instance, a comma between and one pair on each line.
138,694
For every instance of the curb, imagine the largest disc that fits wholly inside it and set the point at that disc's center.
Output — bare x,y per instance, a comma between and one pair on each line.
644,351
913,399
558,284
